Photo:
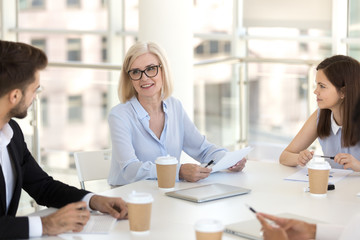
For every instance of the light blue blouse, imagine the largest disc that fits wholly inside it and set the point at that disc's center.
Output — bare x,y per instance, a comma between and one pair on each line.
331,145
135,147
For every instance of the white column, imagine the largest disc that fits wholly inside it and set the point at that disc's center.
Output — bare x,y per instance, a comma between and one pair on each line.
339,26
8,20
168,23
115,47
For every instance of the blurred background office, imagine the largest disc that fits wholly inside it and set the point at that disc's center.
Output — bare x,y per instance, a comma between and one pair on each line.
244,69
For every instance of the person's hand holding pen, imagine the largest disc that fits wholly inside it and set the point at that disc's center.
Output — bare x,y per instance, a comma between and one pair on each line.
276,228
193,172
286,228
348,161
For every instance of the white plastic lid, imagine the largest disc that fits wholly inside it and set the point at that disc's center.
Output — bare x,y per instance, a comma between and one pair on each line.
209,225
166,160
318,163
139,197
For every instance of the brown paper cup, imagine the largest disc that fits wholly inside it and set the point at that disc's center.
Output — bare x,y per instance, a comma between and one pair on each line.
318,181
208,229
318,171
139,212
208,235
166,172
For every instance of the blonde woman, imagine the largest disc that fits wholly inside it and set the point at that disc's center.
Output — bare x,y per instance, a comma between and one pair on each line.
149,123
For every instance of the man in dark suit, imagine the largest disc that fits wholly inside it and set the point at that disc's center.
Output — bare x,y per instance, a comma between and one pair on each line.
20,66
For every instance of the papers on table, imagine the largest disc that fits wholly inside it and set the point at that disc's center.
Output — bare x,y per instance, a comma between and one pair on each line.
99,224
335,175
230,159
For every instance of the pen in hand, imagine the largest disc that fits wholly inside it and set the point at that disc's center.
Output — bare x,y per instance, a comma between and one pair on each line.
323,156
251,209
209,163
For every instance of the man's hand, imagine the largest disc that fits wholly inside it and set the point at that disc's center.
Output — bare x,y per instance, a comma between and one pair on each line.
193,172
116,207
72,217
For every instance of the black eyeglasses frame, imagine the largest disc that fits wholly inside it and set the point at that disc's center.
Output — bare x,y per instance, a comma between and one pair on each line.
144,72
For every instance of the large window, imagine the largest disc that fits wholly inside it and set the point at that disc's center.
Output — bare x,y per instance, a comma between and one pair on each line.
31,4
256,88
75,114
39,43
74,49
73,3
354,28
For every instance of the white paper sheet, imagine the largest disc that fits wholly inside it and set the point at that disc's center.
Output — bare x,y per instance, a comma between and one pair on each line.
231,158
334,176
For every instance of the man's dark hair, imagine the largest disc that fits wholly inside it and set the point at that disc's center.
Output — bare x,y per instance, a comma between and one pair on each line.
18,64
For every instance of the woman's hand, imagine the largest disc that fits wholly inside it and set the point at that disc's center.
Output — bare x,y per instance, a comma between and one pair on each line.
304,157
193,172
239,166
348,161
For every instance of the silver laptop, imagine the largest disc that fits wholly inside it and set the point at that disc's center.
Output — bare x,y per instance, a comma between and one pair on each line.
251,229
205,193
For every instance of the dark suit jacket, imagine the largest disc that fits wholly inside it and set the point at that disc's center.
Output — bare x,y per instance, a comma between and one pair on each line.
40,186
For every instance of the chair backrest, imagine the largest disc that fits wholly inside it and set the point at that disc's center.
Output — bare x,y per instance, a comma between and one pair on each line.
92,165
264,151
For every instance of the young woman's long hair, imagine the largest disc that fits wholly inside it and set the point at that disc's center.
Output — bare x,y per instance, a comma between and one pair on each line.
344,73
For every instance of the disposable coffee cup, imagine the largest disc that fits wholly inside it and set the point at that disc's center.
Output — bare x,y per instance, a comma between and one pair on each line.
208,229
139,212
318,171
166,172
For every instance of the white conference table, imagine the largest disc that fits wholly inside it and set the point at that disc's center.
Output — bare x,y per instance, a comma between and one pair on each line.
174,218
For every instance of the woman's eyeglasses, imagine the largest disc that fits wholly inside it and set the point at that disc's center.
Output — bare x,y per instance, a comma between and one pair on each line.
151,71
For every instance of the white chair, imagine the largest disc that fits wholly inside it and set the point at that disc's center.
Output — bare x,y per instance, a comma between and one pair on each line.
264,151
92,165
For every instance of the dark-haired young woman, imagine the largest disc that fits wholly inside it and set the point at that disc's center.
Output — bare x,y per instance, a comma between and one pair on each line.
337,91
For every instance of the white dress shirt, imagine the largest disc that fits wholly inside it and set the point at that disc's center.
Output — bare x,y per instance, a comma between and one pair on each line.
135,147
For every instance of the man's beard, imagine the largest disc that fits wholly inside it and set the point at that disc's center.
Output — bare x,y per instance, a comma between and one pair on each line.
19,111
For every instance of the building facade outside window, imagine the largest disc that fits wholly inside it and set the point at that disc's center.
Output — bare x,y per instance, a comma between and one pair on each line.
74,49
75,108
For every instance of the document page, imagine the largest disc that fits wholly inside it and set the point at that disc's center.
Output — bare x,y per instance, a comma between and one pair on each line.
231,158
99,224
334,176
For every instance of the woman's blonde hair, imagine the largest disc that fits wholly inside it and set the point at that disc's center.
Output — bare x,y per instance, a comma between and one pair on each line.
126,90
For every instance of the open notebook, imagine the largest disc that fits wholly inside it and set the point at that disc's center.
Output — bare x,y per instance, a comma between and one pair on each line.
251,229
